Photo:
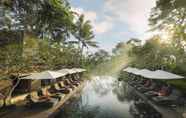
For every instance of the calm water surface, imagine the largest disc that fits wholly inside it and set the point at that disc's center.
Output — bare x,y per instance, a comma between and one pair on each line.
102,97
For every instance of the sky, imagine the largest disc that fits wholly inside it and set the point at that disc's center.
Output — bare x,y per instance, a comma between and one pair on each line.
114,21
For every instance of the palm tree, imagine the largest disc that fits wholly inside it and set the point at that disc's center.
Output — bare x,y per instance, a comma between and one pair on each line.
84,34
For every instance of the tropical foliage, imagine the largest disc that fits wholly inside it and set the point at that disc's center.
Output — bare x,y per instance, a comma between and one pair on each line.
37,35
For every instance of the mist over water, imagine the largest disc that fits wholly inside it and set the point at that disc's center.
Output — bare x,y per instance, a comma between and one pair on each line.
115,64
102,97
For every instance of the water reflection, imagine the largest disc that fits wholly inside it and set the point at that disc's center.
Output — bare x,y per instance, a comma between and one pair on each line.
102,97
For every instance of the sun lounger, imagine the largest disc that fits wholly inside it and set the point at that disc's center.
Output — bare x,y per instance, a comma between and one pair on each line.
155,92
55,88
73,82
168,100
76,80
62,86
68,84
150,88
36,100
56,95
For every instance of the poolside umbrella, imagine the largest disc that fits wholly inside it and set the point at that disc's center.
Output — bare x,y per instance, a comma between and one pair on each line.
128,69
164,75
145,73
135,71
131,70
67,71
44,75
72,71
79,70
64,71
158,74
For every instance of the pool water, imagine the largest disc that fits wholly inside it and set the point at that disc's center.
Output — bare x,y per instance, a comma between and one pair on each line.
102,97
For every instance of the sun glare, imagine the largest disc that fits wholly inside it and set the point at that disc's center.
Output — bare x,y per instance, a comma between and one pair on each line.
166,36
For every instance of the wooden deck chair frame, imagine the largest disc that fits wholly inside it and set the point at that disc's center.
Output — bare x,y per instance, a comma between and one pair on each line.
62,84
53,95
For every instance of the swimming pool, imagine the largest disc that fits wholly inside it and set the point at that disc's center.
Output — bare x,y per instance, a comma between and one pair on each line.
102,97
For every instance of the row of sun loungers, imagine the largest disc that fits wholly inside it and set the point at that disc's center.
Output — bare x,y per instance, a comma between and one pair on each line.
160,93
44,97
56,91
151,84
66,80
